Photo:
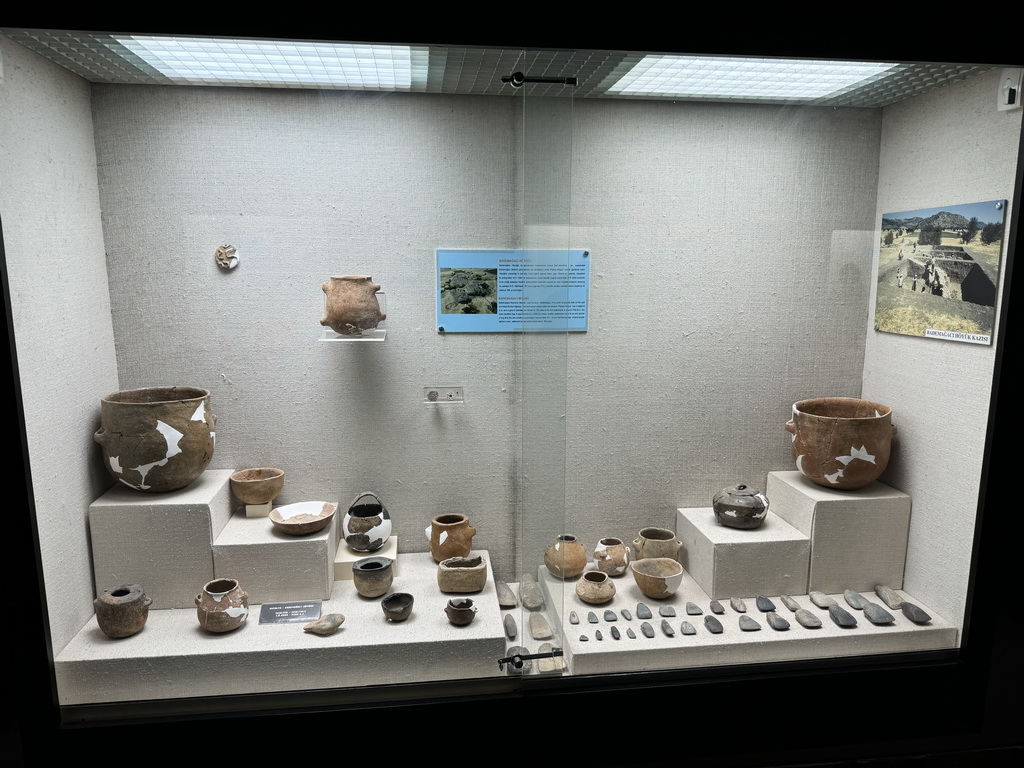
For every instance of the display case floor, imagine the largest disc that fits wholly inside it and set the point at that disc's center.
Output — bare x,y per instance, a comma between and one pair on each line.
173,657
733,645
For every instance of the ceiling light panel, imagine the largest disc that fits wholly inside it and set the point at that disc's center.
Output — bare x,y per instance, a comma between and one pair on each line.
702,77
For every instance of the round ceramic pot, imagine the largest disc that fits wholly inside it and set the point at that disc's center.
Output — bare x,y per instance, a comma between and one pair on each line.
398,606
460,611
372,576
352,305
122,611
257,486
367,524
566,558
222,606
611,556
657,542
157,439
740,507
450,536
841,442
462,574
657,577
595,587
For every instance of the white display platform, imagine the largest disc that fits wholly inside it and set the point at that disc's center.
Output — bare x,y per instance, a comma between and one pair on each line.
727,562
274,566
159,540
345,556
733,646
858,538
174,657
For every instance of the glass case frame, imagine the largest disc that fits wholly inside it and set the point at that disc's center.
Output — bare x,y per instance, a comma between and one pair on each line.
924,670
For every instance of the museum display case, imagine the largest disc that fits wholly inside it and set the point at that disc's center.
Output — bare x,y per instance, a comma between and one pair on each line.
528,511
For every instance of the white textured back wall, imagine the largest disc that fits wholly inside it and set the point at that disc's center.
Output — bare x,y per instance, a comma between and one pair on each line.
730,278
49,203
950,146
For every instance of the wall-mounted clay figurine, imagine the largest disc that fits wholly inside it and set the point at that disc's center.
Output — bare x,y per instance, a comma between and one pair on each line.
367,524
122,611
156,439
841,442
352,305
740,507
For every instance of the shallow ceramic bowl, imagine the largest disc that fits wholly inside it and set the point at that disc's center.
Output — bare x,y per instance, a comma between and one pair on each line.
657,577
397,606
304,517
257,486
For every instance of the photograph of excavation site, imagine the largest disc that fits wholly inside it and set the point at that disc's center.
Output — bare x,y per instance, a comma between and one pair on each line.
938,270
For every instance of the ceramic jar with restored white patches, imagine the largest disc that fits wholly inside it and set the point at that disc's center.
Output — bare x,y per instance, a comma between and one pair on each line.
611,556
657,542
222,606
450,536
566,558
841,442
157,439
740,507
367,523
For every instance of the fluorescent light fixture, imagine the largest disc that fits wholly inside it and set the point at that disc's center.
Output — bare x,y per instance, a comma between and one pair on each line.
759,79
207,61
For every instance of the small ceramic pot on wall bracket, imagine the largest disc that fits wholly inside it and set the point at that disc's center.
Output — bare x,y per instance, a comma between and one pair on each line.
841,442
122,611
367,524
450,536
352,305
566,558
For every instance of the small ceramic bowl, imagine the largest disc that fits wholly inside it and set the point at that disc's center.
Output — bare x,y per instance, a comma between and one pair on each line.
460,611
304,517
657,577
257,486
397,606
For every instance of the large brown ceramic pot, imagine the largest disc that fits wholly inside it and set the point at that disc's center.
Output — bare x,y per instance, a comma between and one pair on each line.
841,442
222,606
352,305
657,577
122,611
566,558
657,542
450,536
157,439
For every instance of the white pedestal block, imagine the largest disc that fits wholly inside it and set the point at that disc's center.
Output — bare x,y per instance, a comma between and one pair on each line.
159,540
858,538
345,556
259,510
273,566
726,562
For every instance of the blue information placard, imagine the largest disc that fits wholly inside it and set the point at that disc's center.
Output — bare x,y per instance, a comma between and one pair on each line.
495,291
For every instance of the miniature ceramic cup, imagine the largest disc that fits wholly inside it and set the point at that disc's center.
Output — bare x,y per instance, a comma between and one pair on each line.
372,576
657,577
398,606
657,542
595,588
460,611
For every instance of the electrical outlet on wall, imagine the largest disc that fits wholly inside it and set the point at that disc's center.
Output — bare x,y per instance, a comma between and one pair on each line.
1008,96
440,395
